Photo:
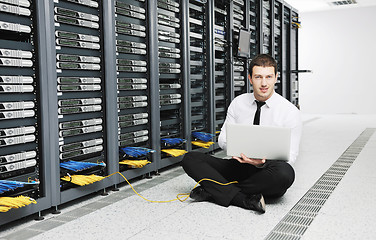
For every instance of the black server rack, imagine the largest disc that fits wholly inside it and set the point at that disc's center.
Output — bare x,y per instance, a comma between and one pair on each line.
23,124
200,85
294,87
80,88
277,21
239,65
222,66
289,74
134,79
171,79
254,23
266,27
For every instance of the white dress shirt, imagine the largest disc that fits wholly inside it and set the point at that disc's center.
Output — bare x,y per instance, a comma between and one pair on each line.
277,111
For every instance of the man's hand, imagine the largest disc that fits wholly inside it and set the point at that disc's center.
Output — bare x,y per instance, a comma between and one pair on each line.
255,162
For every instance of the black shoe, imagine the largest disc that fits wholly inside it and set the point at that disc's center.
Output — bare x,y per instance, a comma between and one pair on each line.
200,194
255,202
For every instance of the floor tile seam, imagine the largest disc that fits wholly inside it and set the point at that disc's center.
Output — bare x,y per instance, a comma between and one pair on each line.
67,214
366,134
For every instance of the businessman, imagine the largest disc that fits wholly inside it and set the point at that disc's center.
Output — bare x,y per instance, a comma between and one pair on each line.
256,177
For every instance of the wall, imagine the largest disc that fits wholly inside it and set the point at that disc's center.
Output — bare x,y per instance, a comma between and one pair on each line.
340,47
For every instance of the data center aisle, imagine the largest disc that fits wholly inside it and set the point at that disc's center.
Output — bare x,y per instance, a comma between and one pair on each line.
348,212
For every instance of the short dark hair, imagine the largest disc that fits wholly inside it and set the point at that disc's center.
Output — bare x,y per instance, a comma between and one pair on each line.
263,60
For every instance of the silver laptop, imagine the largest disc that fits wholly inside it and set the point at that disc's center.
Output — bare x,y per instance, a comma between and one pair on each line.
254,141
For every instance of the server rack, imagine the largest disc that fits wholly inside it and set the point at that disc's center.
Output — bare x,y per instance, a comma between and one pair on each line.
171,76
23,119
254,26
240,18
80,84
222,63
136,75
294,81
200,86
289,74
125,94
277,44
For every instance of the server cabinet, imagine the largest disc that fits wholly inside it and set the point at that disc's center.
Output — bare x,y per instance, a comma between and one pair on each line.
266,27
78,113
200,85
289,64
294,87
277,44
171,68
254,26
23,110
136,78
240,15
222,63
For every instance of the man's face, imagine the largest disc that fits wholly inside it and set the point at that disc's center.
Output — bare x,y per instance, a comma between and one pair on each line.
263,80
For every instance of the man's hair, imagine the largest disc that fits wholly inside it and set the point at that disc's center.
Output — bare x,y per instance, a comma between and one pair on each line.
263,60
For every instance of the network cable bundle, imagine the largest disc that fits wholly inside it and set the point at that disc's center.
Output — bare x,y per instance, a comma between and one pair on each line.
13,188
11,194
134,157
203,136
80,173
202,139
172,146
172,142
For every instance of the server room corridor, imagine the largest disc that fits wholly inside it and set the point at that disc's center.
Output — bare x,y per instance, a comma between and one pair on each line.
332,198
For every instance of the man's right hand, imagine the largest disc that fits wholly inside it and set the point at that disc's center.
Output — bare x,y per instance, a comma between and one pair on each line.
255,162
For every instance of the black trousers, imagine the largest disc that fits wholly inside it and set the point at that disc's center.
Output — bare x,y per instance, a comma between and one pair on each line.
272,181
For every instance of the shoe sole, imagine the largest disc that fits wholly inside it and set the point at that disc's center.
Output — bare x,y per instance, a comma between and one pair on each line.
262,201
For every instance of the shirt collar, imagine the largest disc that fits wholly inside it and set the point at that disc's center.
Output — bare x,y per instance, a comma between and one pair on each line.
272,101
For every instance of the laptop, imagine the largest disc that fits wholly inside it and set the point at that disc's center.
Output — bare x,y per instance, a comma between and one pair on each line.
255,141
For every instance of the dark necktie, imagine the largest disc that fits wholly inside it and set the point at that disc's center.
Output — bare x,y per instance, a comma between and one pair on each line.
256,120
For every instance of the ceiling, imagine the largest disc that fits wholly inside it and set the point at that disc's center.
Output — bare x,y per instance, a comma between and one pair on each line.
324,5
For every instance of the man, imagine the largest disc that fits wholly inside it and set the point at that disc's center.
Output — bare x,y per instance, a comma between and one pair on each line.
256,177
